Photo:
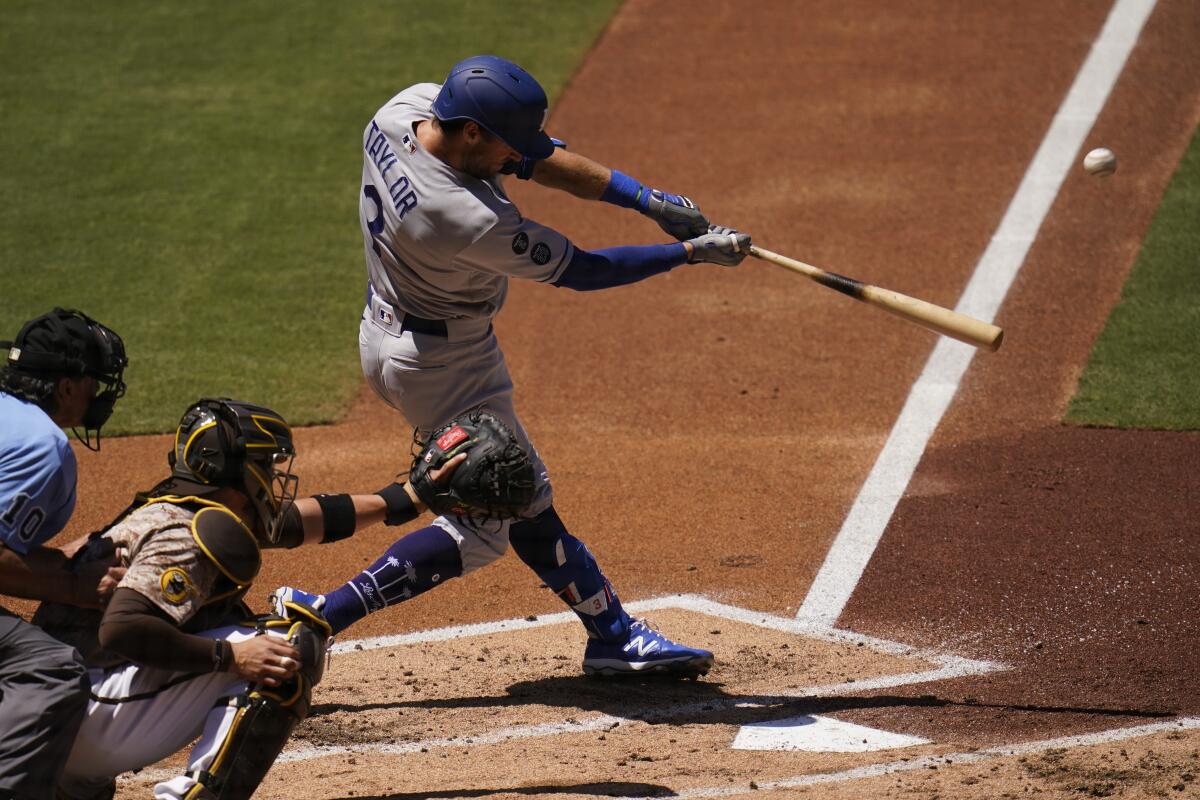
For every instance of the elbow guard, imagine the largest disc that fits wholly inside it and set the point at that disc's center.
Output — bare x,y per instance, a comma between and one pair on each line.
337,516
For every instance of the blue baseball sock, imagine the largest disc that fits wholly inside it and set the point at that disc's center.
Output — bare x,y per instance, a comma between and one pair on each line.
412,565
568,568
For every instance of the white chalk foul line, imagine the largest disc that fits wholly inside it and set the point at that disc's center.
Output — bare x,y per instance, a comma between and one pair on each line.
946,759
997,268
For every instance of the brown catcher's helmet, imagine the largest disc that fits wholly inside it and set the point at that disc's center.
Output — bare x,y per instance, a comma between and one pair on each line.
224,442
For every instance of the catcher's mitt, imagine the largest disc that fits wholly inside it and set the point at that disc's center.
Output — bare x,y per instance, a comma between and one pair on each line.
496,480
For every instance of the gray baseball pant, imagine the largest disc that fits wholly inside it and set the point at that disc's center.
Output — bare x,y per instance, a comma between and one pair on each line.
44,691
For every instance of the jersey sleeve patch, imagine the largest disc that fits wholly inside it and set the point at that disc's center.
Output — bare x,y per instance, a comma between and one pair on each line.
176,585
520,248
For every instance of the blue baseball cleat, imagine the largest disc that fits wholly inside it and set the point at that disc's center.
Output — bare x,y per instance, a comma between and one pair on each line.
645,651
286,594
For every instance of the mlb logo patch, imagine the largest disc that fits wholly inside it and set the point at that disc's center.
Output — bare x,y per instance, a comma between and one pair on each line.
386,317
452,437
409,144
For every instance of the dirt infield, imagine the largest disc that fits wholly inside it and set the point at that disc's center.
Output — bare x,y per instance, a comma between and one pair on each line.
708,431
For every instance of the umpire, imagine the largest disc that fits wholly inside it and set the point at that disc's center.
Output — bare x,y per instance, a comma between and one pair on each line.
63,370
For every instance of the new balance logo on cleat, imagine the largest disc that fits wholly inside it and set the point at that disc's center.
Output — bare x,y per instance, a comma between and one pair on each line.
642,646
645,652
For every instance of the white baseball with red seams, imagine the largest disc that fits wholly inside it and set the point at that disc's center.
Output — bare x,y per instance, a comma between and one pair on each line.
1100,161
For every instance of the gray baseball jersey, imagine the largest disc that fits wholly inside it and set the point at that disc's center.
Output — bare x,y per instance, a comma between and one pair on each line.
442,244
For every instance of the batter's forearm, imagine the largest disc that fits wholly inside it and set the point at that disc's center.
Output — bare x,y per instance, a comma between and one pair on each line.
573,173
620,266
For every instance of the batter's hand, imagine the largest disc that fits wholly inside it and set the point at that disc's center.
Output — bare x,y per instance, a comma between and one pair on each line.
676,215
268,660
720,245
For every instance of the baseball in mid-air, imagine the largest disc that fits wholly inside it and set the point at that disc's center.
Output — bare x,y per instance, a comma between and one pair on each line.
1100,161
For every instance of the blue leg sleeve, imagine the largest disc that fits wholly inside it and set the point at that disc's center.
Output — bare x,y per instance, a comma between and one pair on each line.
413,564
568,568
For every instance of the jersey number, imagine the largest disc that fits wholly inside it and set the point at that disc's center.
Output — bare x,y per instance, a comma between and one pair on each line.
30,523
375,226
404,200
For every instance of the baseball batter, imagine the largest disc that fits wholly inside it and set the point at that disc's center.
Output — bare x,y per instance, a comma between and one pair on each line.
51,377
442,239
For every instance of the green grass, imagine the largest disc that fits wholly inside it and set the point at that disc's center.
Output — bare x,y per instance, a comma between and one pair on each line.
187,173
1144,371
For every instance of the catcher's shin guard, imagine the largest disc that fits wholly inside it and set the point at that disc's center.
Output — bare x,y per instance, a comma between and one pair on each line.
568,568
265,717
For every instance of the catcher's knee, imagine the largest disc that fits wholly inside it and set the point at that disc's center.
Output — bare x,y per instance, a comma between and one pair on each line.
265,716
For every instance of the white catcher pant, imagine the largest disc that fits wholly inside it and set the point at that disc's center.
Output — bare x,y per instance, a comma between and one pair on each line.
152,714
431,380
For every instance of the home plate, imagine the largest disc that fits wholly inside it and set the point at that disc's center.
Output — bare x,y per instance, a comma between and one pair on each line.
819,735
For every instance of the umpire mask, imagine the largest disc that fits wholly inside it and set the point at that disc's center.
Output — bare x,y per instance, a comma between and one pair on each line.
65,343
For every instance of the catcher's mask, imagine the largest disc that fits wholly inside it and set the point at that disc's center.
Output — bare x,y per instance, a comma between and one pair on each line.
224,442
65,343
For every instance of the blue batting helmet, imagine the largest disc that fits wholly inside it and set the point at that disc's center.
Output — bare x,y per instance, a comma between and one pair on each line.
500,96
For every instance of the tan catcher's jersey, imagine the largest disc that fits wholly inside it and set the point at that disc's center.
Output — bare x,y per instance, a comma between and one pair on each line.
165,563
442,244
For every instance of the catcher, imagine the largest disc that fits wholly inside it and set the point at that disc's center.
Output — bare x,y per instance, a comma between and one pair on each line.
494,482
176,654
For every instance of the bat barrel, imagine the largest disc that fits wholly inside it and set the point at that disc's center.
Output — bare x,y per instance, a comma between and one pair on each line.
932,317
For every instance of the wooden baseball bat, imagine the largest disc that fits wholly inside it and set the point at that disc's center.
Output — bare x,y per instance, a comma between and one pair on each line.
927,315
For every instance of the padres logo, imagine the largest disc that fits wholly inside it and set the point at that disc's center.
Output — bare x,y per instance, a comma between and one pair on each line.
176,585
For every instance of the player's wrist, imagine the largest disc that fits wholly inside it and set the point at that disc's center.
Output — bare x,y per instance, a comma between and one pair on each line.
625,192
401,502
222,655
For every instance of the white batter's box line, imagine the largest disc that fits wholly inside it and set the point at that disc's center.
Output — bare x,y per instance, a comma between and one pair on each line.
707,706
950,665
604,722
946,759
